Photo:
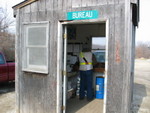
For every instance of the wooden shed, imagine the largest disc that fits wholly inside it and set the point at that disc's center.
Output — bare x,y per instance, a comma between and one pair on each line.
51,32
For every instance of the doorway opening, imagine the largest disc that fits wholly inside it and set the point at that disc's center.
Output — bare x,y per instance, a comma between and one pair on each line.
77,37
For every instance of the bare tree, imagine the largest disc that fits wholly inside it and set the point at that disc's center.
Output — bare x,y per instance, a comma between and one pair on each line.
5,20
7,39
143,50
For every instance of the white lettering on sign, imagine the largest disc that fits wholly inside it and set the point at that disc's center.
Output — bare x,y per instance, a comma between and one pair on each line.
82,15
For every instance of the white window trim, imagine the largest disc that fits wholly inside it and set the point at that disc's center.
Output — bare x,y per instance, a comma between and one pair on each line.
25,60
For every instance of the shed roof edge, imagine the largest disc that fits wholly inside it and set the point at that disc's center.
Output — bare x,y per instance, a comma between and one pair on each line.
22,4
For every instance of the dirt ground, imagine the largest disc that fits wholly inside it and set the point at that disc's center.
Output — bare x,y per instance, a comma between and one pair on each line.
141,97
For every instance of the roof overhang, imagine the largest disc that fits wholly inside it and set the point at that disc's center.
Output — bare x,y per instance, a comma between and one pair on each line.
22,4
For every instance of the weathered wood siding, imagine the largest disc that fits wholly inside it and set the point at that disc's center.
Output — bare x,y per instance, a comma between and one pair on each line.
36,93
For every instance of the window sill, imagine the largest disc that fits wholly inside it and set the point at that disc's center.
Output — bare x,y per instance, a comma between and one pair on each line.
35,71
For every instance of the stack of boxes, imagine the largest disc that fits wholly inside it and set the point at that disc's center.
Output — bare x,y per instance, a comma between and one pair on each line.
71,76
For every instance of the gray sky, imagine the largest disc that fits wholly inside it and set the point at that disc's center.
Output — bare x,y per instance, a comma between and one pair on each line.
142,33
8,5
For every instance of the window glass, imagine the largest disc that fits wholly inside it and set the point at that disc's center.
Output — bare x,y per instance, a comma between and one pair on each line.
37,36
100,56
98,48
37,56
2,59
98,43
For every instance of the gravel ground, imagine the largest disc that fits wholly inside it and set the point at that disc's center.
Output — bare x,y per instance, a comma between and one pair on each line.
7,98
141,97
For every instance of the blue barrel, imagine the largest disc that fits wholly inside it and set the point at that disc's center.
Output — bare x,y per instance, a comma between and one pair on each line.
99,87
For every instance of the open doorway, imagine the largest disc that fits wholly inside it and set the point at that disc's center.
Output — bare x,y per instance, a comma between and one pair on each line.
79,36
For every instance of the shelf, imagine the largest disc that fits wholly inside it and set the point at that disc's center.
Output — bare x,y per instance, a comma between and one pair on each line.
71,74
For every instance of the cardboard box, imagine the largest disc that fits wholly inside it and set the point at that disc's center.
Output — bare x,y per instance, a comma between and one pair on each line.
102,70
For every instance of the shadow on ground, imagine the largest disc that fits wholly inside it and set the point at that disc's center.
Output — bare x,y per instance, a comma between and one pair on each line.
74,104
139,93
83,106
7,87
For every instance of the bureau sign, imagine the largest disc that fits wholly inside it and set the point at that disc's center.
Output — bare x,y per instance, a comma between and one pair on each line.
81,15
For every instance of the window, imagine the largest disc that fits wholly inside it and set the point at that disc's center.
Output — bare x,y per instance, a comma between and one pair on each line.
100,56
2,61
98,43
98,48
36,47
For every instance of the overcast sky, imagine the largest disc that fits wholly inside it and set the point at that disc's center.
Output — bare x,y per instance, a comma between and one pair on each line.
142,33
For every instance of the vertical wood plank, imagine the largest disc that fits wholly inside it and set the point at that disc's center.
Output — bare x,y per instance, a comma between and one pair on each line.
17,61
26,13
69,2
101,2
60,5
76,3
110,1
127,57
41,5
55,5
85,3
49,8
42,12
34,12
49,5
25,98
64,8
94,2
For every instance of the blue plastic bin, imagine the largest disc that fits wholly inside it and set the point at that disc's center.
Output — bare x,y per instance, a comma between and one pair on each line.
99,87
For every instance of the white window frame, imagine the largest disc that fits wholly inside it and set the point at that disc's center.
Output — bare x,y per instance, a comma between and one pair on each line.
25,59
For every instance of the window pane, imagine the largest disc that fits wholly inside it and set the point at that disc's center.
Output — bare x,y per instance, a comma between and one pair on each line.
37,56
100,56
2,59
37,36
98,42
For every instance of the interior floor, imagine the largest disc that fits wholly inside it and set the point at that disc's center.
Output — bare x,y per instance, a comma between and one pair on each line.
74,105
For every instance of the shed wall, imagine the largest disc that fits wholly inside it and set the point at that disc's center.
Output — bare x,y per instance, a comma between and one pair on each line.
36,93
